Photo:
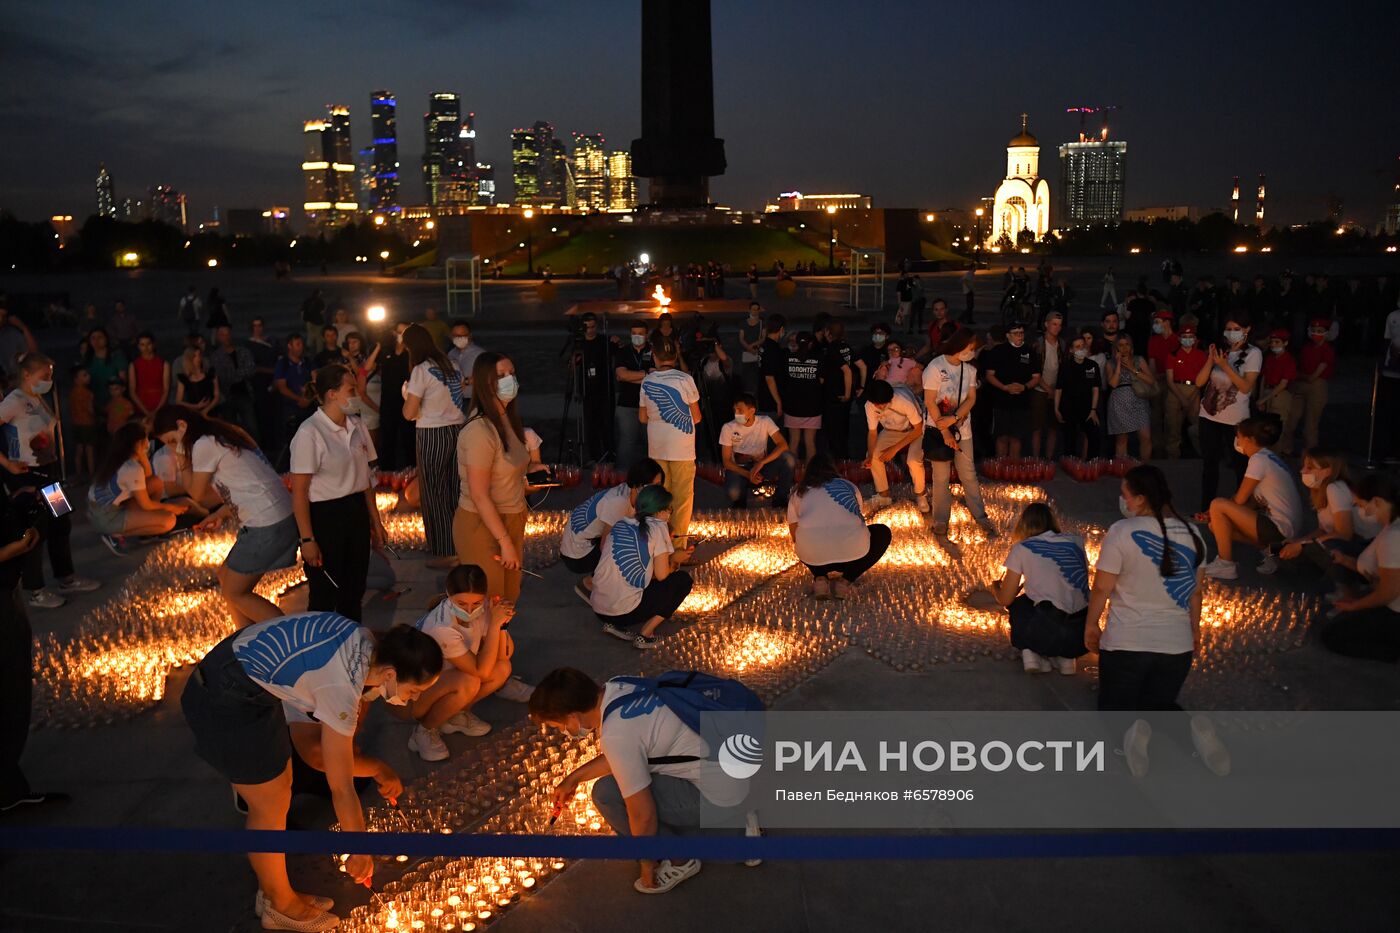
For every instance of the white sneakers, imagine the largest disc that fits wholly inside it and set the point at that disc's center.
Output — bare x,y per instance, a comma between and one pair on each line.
428,744
1222,570
1135,747
1064,666
1214,755
667,876
515,690
260,903
752,831
44,598
1034,663
921,502
879,501
1268,565
274,919
466,723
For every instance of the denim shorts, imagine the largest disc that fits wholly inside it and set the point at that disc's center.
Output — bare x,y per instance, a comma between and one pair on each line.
258,550
238,727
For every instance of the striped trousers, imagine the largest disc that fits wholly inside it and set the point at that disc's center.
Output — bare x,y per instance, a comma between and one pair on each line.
436,449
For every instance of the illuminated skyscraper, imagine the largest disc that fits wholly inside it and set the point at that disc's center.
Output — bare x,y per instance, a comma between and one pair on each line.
1259,203
558,183
442,126
167,206
622,185
527,162
1093,173
590,172
382,193
459,183
328,166
106,200
485,183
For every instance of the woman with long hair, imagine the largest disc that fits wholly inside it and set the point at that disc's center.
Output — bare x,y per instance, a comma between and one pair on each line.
829,532
1045,587
802,397
1227,380
1337,529
1368,626
196,386
125,496
319,665
435,400
333,495
636,585
220,453
1128,412
30,455
488,528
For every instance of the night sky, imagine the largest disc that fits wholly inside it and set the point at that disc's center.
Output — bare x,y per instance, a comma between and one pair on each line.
910,102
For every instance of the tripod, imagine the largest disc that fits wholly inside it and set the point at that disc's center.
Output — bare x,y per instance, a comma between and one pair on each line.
576,388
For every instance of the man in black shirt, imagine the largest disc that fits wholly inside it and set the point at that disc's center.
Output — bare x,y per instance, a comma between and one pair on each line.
631,362
1012,370
772,367
591,357
313,316
870,356
838,383
1077,400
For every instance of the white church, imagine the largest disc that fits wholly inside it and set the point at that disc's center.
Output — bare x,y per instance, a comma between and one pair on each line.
1023,198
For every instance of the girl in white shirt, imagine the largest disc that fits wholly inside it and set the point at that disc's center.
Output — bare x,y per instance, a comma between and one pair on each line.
1227,380
829,534
125,498
1325,476
636,585
1265,511
254,497
1046,589
1369,626
435,399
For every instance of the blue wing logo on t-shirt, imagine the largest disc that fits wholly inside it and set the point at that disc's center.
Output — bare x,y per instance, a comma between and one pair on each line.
843,494
107,493
283,652
1182,583
1066,555
585,513
454,386
638,703
672,408
630,553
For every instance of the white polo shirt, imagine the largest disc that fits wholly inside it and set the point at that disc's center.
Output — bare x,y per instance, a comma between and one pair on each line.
337,458
749,440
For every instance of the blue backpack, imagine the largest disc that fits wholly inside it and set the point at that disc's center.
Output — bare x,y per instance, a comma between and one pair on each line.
687,694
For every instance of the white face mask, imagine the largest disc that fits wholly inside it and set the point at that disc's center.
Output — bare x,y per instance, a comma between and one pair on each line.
1234,335
1277,350
463,616
878,339
383,691
639,340
1239,446
582,732
43,386
967,356
1081,355
461,343
1188,342
507,388
1312,480
1124,509
1158,327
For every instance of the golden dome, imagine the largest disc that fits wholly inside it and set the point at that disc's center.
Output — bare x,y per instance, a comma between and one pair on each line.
1024,138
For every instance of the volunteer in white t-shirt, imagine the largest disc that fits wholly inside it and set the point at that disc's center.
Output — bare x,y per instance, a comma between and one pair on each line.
1324,474
637,792
670,408
636,585
1046,589
754,452
333,495
469,626
950,392
580,547
1227,381
174,474
829,534
1265,511
435,401
894,421
1368,626
323,665
254,497
125,496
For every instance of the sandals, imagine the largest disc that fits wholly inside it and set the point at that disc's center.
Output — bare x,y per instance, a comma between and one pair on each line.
667,876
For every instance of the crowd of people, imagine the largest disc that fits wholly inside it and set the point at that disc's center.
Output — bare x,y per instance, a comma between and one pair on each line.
286,693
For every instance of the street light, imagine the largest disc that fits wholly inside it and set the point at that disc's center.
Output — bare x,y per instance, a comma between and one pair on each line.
529,241
379,220
831,241
213,263
375,314
978,214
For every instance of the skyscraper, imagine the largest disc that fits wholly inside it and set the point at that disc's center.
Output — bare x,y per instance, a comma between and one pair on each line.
328,167
1093,173
560,181
485,183
442,126
382,193
622,185
459,183
528,149
106,200
590,172
167,206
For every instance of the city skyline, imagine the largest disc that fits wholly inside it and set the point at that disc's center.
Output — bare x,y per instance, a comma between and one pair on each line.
218,119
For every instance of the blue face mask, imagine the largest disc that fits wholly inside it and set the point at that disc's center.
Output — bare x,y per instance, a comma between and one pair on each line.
507,388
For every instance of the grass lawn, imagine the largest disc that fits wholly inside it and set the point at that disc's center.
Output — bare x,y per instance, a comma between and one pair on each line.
735,244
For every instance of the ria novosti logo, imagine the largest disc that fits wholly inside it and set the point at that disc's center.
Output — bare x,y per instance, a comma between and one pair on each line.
741,756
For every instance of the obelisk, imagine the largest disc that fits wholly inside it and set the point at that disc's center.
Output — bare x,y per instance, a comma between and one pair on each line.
678,151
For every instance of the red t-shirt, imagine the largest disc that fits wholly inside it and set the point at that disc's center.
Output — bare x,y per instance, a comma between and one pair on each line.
1185,365
1161,349
1314,355
1278,367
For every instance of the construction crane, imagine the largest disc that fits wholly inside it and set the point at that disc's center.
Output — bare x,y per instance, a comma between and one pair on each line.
1085,111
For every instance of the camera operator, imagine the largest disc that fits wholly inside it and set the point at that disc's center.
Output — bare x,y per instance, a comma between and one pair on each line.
590,359
18,538
30,460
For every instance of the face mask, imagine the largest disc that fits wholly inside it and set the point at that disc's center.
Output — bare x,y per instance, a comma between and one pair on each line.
581,732
1239,446
1276,350
1188,342
639,340
396,699
461,343
1234,335
1016,341
346,405
1081,355
1311,480
878,339
398,339
1158,327
967,356
43,386
507,388
1365,514
1123,508
462,616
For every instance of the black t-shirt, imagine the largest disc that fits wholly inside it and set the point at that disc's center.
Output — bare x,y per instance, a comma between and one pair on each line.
595,362
1012,365
1139,326
833,380
802,395
626,356
327,357
772,361
1077,384
872,356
